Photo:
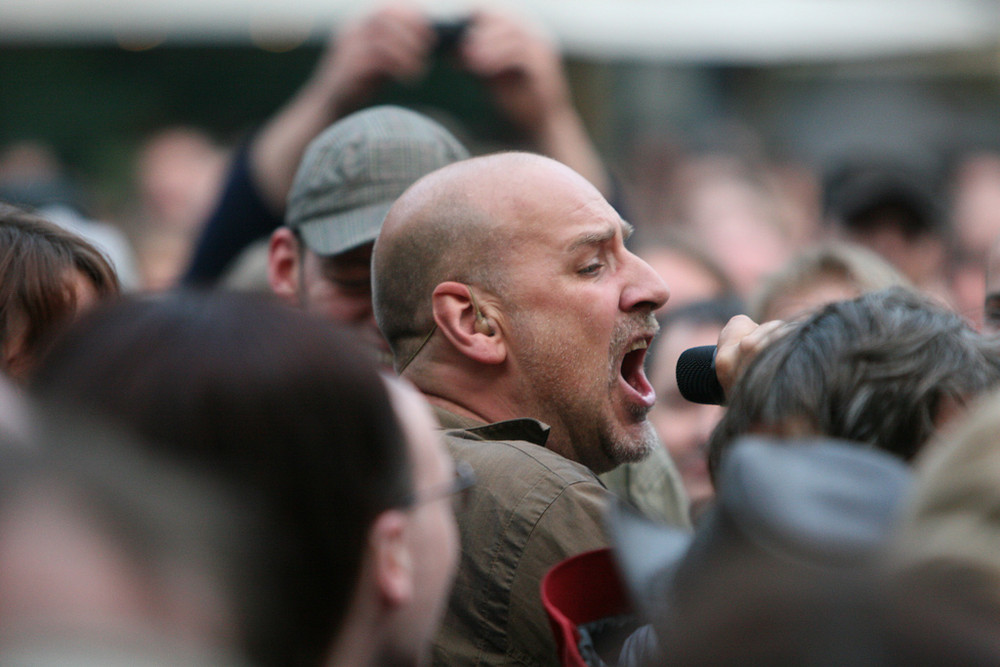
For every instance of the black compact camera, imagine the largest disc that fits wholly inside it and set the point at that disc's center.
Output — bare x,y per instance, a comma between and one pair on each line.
449,34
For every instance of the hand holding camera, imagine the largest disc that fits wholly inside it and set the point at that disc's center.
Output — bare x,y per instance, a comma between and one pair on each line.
513,57
521,66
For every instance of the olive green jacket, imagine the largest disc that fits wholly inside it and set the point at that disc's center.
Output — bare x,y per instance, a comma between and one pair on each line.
530,509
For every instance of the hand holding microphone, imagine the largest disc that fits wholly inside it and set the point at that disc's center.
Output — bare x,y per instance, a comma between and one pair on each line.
706,373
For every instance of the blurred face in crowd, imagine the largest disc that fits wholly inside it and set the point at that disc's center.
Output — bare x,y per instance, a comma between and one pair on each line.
737,223
689,279
337,288
683,426
431,533
81,558
801,303
921,259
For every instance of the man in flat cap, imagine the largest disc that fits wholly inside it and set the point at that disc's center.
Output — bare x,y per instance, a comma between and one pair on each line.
349,177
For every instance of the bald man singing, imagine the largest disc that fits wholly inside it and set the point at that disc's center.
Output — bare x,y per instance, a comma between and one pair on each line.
507,295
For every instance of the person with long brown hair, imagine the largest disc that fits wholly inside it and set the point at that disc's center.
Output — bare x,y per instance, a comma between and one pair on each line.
47,276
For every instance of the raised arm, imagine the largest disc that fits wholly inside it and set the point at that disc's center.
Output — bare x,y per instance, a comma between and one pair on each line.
522,67
391,43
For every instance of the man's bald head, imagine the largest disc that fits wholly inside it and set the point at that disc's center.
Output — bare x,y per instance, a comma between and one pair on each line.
564,311
450,225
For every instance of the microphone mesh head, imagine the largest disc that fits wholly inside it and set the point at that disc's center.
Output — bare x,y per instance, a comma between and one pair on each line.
696,377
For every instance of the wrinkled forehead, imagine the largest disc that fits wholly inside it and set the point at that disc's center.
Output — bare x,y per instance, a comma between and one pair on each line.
566,224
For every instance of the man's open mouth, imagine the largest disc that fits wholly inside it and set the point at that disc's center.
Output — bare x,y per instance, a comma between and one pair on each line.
633,372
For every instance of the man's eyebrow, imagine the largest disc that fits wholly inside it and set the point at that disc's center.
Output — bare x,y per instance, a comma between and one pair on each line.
627,230
597,238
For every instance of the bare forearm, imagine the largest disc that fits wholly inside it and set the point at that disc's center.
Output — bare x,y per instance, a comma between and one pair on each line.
277,149
391,43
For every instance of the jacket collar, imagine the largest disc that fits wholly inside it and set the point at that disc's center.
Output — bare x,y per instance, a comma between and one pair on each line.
530,430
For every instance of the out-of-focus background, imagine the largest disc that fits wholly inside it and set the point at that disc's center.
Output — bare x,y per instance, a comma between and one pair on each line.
111,90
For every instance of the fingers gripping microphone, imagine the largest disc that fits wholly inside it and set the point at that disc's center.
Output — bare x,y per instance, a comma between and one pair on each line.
696,376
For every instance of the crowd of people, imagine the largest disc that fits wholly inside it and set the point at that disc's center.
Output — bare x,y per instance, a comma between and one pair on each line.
391,398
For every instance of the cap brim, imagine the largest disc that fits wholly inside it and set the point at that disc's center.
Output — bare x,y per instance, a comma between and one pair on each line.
334,234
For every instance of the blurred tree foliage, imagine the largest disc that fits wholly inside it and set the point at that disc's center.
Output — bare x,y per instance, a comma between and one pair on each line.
95,104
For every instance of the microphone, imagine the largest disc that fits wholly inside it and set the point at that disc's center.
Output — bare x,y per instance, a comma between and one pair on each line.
696,376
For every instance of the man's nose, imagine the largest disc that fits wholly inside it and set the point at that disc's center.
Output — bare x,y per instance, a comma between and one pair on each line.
645,289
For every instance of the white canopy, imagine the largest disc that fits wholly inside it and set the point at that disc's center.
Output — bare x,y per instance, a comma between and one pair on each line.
720,31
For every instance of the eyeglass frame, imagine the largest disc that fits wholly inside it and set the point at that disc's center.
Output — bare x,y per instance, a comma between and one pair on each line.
457,489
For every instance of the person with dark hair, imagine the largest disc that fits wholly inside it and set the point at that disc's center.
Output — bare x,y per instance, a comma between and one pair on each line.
504,288
34,177
320,260
885,370
894,209
344,463
48,275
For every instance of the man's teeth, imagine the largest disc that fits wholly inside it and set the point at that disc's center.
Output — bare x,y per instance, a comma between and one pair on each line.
640,344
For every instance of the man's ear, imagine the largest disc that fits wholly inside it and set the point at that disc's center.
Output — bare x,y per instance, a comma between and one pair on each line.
283,269
468,323
15,359
392,562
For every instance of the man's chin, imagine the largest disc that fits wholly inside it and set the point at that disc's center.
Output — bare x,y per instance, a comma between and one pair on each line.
631,446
